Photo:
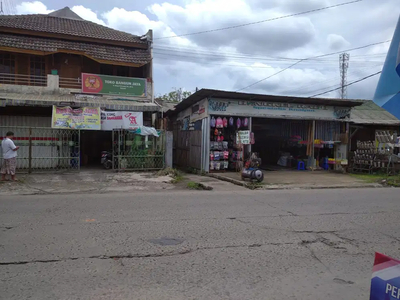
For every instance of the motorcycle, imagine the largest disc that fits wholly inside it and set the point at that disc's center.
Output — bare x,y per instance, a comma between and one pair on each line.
252,169
106,159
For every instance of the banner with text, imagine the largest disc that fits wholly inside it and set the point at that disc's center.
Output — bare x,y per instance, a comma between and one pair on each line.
79,118
275,109
121,120
385,283
115,85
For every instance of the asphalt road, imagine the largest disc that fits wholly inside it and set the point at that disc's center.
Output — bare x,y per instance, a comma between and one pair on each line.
309,244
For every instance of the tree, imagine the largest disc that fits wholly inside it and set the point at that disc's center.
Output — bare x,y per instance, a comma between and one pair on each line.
175,96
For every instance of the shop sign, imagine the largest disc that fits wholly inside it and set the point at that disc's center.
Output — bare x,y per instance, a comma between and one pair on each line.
114,85
80,118
275,109
121,120
243,137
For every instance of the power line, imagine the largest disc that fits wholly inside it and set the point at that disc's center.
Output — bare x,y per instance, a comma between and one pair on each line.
351,83
197,50
323,55
222,55
307,86
258,22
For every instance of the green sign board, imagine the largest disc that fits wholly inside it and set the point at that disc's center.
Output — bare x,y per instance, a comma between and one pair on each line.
113,85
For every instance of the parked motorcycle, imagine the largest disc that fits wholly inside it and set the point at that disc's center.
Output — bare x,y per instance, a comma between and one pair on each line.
106,159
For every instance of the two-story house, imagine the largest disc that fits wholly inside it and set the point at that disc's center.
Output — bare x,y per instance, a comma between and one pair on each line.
55,61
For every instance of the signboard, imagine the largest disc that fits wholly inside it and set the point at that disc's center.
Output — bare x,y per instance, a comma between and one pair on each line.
385,283
243,137
121,119
104,84
80,118
195,112
275,109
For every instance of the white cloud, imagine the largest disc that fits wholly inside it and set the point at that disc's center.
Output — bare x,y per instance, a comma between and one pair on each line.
336,42
87,14
35,7
232,59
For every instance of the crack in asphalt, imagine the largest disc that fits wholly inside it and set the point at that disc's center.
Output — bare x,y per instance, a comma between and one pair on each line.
149,255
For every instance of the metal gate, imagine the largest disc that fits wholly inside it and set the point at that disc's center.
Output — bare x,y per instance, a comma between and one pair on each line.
133,152
45,149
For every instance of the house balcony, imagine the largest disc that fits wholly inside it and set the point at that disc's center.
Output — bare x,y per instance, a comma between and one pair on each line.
54,84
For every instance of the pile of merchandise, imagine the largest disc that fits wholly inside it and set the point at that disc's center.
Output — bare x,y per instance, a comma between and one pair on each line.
225,153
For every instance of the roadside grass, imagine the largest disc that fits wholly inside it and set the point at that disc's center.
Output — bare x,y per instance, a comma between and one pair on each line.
176,175
383,179
191,185
253,185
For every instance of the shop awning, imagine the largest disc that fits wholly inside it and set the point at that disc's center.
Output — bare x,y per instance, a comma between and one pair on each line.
107,102
371,114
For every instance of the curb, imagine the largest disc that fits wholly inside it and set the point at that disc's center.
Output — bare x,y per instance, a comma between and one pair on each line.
288,187
227,179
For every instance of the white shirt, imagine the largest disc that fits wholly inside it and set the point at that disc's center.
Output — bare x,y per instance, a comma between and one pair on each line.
8,147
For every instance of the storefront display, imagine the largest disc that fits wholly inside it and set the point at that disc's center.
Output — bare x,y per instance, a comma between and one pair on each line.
227,142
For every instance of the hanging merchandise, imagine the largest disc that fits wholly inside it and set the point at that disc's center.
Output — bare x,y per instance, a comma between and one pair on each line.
216,132
231,121
226,164
221,138
245,122
218,166
226,154
238,123
219,123
252,140
225,121
211,165
225,145
218,138
211,156
212,122
216,155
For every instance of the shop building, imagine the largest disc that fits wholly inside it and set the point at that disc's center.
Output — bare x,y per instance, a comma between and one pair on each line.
374,140
66,83
216,131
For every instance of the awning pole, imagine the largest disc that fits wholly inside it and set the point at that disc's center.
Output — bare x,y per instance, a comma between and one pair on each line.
313,145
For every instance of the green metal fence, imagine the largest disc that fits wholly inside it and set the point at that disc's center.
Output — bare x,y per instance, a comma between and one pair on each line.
45,149
133,152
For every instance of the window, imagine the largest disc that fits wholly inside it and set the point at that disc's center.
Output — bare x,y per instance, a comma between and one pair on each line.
7,68
123,71
106,69
37,70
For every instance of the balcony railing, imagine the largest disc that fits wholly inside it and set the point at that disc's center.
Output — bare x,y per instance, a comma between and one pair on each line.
70,83
20,79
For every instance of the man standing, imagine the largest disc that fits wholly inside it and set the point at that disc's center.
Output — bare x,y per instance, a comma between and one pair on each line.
10,157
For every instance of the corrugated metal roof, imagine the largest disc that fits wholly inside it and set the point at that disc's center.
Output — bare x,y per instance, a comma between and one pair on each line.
218,94
370,113
109,102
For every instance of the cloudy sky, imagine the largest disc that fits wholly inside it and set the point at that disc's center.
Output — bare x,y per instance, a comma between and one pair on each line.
235,58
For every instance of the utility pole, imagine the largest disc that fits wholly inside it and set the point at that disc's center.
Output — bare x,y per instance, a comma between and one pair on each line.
1,7
344,65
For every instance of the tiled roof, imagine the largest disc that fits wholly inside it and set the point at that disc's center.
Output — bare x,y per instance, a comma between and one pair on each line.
67,26
370,113
96,51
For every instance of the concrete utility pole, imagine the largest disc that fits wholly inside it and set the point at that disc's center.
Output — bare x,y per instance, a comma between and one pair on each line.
344,65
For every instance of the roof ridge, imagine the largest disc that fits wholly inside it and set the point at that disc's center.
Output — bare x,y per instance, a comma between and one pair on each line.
83,20
26,21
